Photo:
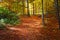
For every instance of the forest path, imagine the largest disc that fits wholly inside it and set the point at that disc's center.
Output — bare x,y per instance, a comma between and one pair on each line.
30,29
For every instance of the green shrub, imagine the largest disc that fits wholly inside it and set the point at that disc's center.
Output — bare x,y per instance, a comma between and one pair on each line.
8,17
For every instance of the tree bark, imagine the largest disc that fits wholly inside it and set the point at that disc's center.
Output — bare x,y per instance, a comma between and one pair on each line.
43,14
57,9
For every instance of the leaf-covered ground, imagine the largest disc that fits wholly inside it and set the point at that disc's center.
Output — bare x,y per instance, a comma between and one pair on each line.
31,29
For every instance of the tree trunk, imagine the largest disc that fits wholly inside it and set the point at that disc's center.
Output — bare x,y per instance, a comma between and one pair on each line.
43,14
23,6
28,7
57,9
33,9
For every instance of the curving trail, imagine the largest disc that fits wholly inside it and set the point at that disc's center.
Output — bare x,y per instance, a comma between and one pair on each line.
31,29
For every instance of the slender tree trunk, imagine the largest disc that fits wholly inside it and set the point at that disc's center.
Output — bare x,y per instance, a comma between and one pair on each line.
47,4
23,6
46,9
43,14
28,7
57,9
33,9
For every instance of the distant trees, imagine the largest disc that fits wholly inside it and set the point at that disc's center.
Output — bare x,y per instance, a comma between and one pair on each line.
19,6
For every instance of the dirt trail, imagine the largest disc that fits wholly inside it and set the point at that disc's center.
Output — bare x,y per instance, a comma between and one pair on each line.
30,29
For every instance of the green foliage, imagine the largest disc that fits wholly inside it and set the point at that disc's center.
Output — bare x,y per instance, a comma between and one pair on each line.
8,17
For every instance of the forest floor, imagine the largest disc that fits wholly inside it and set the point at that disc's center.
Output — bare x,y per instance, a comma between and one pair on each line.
31,28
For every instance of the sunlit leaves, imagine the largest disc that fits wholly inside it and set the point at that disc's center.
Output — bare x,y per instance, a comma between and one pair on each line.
19,5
